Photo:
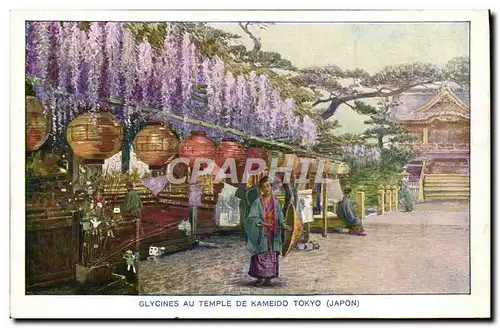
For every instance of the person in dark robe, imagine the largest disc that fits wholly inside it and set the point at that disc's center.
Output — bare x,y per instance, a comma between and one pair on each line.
132,204
405,198
347,214
263,226
244,206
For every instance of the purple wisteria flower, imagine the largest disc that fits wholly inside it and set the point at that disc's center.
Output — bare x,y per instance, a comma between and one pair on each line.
82,69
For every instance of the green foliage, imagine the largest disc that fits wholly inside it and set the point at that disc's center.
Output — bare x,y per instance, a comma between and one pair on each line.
347,86
405,74
458,70
29,89
44,164
370,178
382,128
392,140
329,143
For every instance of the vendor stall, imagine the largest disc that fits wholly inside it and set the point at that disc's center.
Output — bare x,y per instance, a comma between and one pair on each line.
109,93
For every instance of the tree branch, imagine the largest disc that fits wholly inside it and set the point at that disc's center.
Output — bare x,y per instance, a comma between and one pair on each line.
336,102
321,101
257,45
353,108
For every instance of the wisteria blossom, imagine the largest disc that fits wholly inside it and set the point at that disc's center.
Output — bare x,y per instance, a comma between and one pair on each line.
113,52
128,71
94,59
82,69
360,155
309,131
229,99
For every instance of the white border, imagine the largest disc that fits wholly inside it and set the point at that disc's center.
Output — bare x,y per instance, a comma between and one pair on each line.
391,306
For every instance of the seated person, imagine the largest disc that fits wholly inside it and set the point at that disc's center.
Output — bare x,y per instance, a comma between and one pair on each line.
346,213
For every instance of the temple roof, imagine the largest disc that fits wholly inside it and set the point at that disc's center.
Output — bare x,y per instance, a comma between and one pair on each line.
422,104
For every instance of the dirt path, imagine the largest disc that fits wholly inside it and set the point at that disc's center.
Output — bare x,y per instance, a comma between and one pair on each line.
425,251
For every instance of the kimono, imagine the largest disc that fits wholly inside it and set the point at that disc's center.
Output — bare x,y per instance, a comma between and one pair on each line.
132,204
263,243
346,213
405,198
244,206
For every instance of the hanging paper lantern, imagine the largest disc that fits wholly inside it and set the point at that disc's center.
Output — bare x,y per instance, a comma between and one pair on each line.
156,145
314,165
230,148
255,152
95,139
197,146
180,171
309,165
327,167
276,154
37,124
295,162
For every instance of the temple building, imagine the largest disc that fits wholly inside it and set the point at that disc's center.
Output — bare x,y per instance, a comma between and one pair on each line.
439,120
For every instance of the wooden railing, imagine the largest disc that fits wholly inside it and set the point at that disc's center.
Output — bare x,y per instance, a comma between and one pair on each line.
441,146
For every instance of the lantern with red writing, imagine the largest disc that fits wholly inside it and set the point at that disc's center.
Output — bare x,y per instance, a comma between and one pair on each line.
37,124
255,152
197,145
230,148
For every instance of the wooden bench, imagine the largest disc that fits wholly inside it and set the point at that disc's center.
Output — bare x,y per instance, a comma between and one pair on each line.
333,222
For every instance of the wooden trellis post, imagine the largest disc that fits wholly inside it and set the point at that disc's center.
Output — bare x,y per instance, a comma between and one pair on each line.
324,210
381,200
394,198
421,189
360,202
388,199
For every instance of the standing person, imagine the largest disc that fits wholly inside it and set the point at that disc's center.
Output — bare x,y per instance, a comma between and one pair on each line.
405,198
346,213
132,204
263,227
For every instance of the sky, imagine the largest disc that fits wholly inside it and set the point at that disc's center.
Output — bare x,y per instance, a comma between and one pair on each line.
367,46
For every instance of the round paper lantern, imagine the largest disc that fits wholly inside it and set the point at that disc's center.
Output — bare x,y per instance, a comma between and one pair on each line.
180,171
295,161
276,154
327,167
309,164
230,148
37,124
95,140
314,165
156,145
255,152
197,146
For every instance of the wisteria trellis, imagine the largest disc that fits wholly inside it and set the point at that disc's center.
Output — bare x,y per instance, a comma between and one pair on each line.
85,68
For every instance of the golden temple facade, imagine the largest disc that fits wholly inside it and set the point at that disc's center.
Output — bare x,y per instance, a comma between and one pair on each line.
439,120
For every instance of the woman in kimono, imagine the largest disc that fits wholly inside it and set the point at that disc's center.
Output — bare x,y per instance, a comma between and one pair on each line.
346,213
263,226
405,198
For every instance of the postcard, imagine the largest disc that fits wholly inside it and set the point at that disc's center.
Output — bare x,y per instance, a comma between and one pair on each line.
250,164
